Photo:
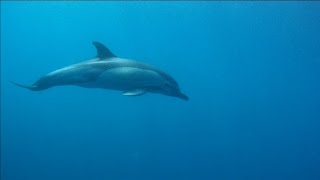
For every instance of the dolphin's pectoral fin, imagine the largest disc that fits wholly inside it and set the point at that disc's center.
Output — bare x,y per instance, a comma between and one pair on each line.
135,92
103,53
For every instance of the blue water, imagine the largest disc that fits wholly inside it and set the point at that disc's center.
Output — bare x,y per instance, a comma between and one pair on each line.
251,70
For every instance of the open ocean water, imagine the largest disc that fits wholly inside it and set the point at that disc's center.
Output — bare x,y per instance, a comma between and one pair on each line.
251,70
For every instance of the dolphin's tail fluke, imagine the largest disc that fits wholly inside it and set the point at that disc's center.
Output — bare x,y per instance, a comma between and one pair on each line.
32,88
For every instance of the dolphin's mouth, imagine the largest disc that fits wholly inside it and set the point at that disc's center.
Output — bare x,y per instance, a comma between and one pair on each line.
182,96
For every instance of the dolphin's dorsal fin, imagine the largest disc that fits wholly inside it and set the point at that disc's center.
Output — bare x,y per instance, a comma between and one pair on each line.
103,52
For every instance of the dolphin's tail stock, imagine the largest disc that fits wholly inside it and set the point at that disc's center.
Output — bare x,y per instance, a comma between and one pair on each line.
32,87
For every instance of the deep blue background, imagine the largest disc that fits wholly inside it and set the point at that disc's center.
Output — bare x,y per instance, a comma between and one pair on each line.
251,70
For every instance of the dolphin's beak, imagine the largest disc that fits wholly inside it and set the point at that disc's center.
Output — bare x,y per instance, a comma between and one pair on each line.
182,96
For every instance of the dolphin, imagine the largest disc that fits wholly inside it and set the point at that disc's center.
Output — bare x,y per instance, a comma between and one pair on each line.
107,71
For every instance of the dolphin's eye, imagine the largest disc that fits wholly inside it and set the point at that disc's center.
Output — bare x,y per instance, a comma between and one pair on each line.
169,88
167,85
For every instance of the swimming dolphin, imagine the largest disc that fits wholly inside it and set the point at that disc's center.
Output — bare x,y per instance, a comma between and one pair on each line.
107,71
